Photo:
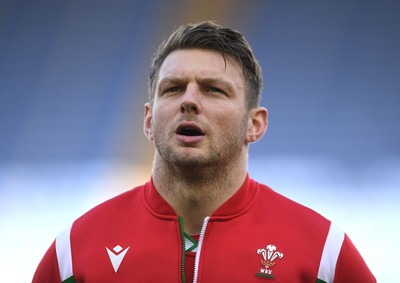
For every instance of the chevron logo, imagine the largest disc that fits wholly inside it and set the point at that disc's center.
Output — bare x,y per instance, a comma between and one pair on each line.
116,256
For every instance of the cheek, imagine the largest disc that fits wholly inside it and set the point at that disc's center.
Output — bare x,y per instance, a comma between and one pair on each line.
162,119
226,126
160,113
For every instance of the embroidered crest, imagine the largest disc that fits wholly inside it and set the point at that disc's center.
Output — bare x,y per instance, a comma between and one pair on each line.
269,255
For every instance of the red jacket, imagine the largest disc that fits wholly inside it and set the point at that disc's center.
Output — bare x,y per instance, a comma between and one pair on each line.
256,235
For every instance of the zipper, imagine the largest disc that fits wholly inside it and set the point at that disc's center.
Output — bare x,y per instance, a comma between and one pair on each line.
180,219
201,239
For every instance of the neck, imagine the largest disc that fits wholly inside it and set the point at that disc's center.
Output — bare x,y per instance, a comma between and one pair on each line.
195,194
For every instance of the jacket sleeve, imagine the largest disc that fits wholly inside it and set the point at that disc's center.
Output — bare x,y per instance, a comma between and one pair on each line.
350,266
48,271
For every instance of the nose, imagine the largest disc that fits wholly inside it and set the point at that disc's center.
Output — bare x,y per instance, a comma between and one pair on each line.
191,100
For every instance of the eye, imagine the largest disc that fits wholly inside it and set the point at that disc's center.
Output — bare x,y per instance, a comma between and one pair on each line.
214,90
173,89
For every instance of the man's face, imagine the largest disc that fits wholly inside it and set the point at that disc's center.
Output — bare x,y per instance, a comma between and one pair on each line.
198,116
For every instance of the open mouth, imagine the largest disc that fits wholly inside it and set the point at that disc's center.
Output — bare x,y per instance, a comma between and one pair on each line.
189,130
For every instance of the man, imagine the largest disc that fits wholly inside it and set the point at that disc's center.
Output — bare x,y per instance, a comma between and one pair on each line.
201,218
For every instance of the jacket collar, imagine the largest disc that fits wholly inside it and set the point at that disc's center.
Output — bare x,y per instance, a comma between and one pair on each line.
233,207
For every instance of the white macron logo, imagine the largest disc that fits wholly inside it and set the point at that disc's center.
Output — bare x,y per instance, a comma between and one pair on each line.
116,256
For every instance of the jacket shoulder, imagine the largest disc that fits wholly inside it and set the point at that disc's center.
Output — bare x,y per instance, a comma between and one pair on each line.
282,204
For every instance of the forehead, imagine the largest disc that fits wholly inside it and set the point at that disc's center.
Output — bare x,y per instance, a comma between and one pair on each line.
201,63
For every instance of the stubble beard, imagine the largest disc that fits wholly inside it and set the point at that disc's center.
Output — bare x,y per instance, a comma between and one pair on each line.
218,155
200,174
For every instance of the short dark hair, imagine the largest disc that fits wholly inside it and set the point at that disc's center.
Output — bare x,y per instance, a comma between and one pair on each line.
211,36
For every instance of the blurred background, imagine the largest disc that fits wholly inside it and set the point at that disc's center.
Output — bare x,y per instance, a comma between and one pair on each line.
73,78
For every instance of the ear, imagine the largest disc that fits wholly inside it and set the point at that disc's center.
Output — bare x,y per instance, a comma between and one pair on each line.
147,122
257,124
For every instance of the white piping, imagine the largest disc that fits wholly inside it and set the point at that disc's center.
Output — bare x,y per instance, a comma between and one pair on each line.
64,256
330,254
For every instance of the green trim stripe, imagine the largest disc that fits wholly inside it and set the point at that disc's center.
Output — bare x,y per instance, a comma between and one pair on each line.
69,280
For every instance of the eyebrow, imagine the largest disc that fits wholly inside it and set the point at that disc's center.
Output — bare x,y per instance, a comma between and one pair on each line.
172,80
